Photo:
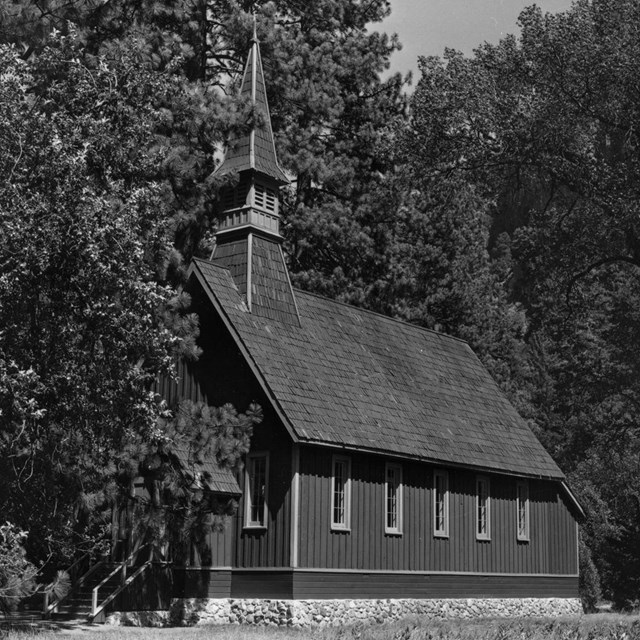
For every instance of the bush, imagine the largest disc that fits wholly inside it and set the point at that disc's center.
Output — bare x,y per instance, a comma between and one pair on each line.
17,574
589,584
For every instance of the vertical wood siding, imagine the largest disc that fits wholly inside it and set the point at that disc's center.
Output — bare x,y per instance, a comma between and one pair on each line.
268,547
221,545
550,550
222,376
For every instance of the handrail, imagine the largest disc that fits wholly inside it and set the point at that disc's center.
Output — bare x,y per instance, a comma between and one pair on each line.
50,607
78,561
95,610
122,566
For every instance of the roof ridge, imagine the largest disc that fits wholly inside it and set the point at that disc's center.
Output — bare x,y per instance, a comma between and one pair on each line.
382,315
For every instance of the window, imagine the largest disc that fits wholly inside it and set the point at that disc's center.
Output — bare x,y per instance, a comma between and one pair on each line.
483,509
256,490
341,493
522,509
441,504
393,498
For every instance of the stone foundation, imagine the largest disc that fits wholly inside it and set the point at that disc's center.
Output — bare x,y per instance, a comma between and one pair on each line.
193,611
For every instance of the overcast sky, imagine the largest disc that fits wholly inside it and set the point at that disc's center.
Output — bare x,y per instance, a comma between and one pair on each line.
426,27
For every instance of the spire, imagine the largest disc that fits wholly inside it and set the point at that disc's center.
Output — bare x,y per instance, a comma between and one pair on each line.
255,150
248,240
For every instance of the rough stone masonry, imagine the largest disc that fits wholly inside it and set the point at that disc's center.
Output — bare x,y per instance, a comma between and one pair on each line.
302,613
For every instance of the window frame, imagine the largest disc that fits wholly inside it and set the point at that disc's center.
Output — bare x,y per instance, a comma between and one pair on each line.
248,503
483,481
444,475
526,535
346,524
399,493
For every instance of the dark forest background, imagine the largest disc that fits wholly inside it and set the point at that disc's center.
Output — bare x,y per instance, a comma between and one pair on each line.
496,199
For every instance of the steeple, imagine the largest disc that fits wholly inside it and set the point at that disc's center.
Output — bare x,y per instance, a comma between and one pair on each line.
255,150
248,240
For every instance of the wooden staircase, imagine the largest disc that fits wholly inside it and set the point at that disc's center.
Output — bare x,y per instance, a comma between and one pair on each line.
94,589
79,602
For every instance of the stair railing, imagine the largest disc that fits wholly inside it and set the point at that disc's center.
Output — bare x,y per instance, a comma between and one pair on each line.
49,607
124,582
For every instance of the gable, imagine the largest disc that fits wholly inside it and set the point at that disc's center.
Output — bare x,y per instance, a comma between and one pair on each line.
351,378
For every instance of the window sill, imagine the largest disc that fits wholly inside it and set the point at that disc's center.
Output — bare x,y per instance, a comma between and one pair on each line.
483,538
441,534
524,539
254,527
391,532
340,529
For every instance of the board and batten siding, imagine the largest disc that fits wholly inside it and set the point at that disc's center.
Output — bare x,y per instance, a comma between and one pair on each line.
221,375
268,546
550,549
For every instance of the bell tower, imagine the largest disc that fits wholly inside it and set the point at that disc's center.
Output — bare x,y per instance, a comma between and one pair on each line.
248,240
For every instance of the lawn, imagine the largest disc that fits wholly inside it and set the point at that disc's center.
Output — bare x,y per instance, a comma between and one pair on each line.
591,627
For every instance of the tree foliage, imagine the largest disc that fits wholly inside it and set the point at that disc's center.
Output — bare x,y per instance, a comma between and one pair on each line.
499,206
544,127
111,131
17,574
179,509
89,321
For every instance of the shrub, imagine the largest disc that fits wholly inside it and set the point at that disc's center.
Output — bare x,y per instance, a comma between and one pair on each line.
17,574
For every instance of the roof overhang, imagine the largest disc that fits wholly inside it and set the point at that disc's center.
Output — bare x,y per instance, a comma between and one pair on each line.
573,501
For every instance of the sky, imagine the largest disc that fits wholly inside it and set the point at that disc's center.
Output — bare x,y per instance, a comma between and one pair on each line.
426,27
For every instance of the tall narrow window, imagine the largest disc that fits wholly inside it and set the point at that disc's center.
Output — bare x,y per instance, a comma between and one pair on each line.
341,493
522,510
483,509
393,498
256,489
441,504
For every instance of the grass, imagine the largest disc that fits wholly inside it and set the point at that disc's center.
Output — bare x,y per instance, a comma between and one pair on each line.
591,627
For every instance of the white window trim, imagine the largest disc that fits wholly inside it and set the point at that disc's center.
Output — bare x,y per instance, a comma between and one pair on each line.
248,523
396,531
440,473
524,485
346,525
487,534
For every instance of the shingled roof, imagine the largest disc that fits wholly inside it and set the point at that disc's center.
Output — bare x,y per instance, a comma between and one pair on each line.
255,150
356,379
205,473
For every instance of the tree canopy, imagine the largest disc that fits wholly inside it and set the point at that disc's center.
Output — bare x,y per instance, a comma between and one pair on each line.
544,127
497,203
89,320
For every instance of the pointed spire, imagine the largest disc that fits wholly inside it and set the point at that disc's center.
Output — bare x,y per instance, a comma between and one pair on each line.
248,240
255,150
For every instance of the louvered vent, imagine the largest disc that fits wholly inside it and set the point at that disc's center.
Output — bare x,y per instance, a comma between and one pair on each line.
265,198
235,197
